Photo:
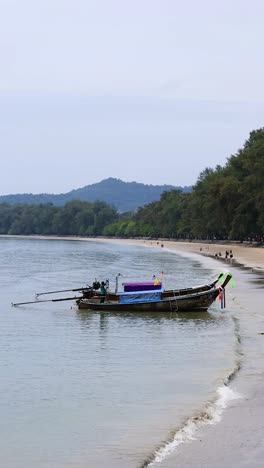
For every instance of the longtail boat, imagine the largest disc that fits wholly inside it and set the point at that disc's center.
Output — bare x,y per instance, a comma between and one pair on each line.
93,291
154,300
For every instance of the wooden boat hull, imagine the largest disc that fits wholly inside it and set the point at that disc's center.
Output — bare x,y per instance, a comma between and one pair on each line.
190,302
167,293
183,292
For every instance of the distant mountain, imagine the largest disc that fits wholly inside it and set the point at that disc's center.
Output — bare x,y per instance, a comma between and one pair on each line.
125,196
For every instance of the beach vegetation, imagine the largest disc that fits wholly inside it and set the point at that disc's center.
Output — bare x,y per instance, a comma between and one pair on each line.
226,203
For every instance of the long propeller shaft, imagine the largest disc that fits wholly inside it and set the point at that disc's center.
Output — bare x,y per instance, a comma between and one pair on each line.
47,300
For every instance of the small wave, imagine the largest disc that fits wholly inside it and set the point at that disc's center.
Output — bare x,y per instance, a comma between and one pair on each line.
226,395
211,415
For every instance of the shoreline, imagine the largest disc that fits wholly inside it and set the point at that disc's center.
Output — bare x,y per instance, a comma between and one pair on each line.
243,255
247,255
237,439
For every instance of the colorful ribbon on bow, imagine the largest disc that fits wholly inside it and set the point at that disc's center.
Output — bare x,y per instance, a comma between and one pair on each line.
222,297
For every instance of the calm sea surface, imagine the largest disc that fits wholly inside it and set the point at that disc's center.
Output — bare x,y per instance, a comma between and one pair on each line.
83,389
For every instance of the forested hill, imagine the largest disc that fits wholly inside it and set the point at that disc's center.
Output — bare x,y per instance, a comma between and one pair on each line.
226,203
124,196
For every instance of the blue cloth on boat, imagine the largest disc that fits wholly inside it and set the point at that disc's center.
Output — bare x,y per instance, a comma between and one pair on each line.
139,296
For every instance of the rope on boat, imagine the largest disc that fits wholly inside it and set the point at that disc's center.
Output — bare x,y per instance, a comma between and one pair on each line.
173,304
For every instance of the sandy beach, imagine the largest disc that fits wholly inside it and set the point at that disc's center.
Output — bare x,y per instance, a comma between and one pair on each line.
247,255
237,439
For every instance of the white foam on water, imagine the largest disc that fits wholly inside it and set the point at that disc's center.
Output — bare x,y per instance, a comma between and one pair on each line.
226,395
211,415
184,434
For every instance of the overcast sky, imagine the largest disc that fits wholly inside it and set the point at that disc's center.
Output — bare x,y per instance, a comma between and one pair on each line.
146,90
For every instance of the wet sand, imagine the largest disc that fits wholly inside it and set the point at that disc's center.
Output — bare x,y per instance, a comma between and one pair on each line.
237,439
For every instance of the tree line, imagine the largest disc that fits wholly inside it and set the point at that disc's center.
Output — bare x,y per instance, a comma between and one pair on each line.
225,203
75,218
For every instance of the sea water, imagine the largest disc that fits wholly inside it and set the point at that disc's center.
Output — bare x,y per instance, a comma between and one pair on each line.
87,389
